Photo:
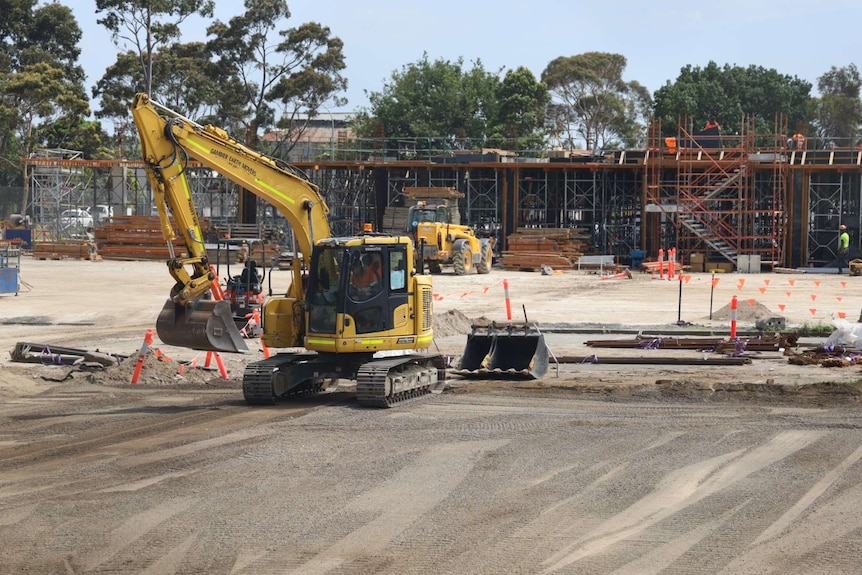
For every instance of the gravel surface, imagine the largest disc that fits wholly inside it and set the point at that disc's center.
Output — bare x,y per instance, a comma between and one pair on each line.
597,469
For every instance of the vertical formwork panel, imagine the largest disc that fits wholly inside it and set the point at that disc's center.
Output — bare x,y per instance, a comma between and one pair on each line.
483,196
532,199
622,221
826,199
798,186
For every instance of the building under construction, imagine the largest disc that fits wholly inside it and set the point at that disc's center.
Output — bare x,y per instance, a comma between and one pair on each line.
746,195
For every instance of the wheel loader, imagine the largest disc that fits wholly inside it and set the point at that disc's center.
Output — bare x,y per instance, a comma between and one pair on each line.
445,243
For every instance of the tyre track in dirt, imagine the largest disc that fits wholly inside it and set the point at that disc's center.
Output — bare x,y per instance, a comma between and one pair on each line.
456,483
187,431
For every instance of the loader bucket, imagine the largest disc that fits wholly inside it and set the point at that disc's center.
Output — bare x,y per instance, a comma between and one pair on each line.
504,351
206,325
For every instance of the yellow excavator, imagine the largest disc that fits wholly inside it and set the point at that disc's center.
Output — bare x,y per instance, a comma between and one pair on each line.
359,309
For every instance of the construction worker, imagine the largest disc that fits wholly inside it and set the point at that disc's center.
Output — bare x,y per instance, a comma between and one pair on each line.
843,248
798,141
365,277
243,252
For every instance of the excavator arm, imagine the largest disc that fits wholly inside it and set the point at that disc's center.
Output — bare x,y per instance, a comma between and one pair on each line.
169,142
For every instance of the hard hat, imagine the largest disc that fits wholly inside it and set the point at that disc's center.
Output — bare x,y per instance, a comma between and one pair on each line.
842,227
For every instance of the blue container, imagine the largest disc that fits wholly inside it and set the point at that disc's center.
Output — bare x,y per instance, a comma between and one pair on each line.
26,237
8,280
637,258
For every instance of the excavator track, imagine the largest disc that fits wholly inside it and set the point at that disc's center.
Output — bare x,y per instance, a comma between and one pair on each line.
257,380
388,381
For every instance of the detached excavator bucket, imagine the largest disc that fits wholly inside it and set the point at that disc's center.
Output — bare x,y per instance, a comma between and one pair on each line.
509,350
205,325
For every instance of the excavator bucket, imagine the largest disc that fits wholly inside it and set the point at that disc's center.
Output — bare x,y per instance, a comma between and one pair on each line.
506,351
205,325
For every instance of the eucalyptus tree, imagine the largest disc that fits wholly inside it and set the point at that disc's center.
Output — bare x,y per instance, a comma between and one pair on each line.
593,101
278,76
143,26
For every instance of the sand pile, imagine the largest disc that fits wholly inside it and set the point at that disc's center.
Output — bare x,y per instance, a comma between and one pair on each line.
158,372
452,322
751,310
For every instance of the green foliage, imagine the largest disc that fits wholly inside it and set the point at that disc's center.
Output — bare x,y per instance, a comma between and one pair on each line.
594,102
459,107
837,113
147,25
301,72
431,99
520,106
184,79
77,133
41,83
727,94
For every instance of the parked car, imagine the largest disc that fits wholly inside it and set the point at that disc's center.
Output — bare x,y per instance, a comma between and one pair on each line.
104,213
76,218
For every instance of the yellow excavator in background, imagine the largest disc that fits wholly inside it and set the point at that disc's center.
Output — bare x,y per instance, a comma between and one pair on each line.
360,310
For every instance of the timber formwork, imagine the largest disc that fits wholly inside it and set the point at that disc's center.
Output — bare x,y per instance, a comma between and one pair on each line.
749,195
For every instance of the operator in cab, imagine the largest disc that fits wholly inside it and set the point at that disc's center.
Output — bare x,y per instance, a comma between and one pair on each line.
365,276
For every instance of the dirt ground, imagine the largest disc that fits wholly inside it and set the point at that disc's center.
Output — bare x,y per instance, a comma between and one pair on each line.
594,468
107,306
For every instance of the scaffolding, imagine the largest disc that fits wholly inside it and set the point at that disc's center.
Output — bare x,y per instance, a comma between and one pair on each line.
833,199
57,184
728,195
748,195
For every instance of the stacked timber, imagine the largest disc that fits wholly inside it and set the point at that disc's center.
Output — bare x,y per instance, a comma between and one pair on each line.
531,249
74,249
136,238
395,217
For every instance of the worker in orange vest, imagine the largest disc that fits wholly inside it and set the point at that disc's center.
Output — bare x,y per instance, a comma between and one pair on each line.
798,141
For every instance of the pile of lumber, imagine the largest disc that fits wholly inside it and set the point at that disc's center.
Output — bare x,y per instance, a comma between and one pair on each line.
75,249
530,249
135,238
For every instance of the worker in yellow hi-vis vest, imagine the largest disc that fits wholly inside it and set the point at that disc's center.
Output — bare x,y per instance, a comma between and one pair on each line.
843,248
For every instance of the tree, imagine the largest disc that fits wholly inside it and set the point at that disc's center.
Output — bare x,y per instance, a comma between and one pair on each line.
298,73
433,99
147,25
594,101
837,113
519,112
41,83
184,79
728,93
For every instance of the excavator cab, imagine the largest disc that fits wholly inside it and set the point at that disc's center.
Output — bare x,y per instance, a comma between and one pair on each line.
359,299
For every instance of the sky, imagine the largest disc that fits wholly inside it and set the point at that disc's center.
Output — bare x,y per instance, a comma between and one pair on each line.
802,38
